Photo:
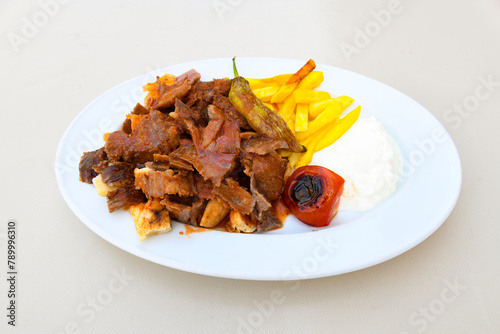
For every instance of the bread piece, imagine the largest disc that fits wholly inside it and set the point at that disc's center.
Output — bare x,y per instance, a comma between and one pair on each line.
240,223
150,218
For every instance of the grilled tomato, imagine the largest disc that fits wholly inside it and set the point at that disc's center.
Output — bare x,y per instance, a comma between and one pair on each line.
312,193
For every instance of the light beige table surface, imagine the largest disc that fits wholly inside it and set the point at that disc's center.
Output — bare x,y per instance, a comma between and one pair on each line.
57,56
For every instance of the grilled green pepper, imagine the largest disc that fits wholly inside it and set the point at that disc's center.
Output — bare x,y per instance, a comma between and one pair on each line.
262,119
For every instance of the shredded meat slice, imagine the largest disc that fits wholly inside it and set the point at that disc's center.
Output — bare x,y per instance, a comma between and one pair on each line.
208,90
262,145
163,162
217,157
267,221
123,198
161,158
87,163
158,165
268,171
178,90
117,174
139,110
155,133
217,145
192,76
156,183
185,152
235,196
204,188
188,213
127,126
248,135
203,93
266,174
180,164
262,204
210,132
188,117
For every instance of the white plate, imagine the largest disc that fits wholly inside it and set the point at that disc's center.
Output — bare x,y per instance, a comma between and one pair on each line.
425,197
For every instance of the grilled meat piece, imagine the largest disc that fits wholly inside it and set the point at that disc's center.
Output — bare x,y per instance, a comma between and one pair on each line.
155,133
262,145
156,183
123,198
178,90
116,174
87,163
236,197
188,213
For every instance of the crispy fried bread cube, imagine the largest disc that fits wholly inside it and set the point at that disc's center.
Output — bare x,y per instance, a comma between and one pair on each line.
150,218
240,223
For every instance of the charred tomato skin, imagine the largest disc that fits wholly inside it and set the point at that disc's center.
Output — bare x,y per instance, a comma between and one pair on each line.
312,193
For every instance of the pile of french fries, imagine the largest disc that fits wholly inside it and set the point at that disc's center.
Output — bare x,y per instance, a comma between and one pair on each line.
312,115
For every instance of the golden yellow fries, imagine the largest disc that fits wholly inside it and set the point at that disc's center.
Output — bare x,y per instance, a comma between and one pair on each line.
301,117
277,80
312,80
272,106
328,116
308,96
312,115
264,94
315,108
338,129
288,87
287,109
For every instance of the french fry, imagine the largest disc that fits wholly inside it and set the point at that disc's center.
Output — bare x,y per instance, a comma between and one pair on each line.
312,115
306,157
283,92
328,116
346,101
287,109
338,130
315,108
293,159
301,117
272,106
288,87
312,80
308,96
264,94
301,159
284,153
266,82
326,136
291,124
